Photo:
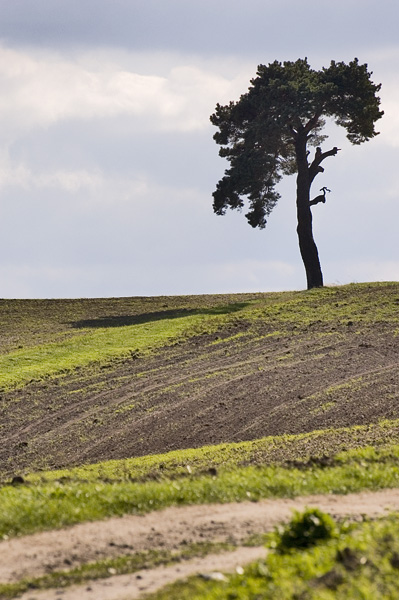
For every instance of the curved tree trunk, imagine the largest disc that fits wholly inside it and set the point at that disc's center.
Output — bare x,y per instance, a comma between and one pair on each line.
307,246
308,249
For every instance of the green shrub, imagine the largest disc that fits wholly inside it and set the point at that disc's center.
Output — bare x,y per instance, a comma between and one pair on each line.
306,529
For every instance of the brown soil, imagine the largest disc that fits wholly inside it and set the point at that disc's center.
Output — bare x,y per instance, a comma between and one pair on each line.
45,552
275,378
209,389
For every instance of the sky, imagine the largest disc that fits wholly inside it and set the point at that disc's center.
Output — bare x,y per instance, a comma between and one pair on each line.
108,164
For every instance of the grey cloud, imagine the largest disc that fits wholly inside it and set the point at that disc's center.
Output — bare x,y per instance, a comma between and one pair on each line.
145,225
258,28
117,149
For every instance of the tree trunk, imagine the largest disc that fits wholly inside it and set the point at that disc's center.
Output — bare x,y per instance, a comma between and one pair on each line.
307,246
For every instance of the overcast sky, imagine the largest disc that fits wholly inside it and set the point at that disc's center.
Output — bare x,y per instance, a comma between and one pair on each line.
107,162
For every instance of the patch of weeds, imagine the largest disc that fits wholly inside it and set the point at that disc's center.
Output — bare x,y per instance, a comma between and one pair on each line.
125,408
226,340
323,408
285,356
306,529
356,383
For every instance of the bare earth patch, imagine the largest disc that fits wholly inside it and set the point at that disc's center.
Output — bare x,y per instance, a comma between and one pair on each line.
42,553
204,391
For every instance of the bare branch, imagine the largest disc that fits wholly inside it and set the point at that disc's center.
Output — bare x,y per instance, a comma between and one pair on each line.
315,167
321,197
311,124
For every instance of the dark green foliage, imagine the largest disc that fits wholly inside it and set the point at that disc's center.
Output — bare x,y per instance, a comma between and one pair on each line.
259,132
307,529
351,99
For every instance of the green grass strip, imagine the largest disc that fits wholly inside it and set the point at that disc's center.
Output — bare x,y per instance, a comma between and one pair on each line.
30,508
99,345
265,451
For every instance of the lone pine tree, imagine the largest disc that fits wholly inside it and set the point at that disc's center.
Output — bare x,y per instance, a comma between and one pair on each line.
267,132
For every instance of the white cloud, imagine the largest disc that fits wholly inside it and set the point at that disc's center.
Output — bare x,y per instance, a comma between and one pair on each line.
39,89
135,279
20,175
348,271
107,203
389,124
384,65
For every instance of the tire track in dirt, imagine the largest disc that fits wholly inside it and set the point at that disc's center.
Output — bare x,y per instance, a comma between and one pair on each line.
134,586
179,380
141,386
34,555
249,356
197,393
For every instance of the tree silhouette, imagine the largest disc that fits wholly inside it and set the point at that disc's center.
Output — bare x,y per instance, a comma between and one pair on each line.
267,132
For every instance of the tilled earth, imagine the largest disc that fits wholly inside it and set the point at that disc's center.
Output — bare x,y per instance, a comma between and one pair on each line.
249,380
242,383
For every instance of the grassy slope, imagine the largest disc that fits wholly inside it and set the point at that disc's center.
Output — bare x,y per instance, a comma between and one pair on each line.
45,343
74,372
44,339
41,338
69,339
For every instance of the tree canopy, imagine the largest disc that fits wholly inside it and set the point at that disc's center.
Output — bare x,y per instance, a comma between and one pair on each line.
266,133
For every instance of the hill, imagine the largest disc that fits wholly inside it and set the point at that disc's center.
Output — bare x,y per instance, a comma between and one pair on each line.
88,380
296,391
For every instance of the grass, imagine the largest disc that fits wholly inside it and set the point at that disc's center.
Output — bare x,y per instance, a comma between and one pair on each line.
296,449
45,339
58,503
359,561
40,339
104,344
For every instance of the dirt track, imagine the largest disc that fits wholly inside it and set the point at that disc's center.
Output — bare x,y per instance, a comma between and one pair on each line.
45,552
130,587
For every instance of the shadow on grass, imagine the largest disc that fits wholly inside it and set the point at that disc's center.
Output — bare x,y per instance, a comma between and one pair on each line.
126,320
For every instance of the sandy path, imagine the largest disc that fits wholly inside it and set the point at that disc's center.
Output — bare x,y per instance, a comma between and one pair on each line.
56,550
131,587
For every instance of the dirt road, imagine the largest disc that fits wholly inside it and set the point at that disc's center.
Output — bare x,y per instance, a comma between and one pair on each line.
45,552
